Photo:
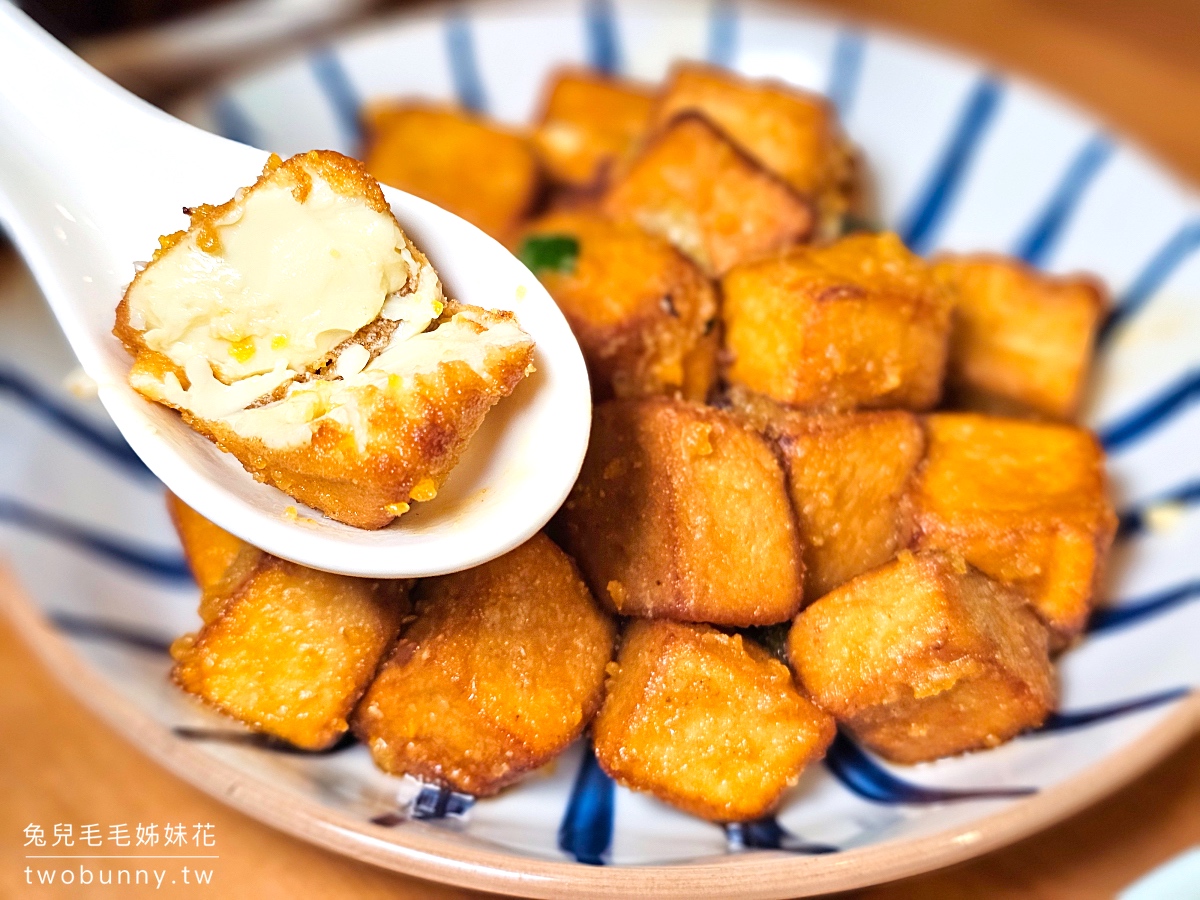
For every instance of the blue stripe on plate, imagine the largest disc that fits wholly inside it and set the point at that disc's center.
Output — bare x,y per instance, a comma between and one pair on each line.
1130,612
335,82
169,567
1153,414
858,772
845,70
1062,721
110,444
1133,521
1181,245
600,29
587,826
919,227
722,34
1039,240
464,67
232,122
113,632
767,834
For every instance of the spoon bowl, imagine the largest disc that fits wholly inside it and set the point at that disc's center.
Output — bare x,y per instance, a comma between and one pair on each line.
90,176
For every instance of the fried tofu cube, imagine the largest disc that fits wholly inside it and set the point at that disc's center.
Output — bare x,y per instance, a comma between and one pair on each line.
479,170
681,512
1024,502
220,562
790,132
925,657
590,123
502,668
858,323
706,721
292,649
695,188
849,476
1022,341
643,314
298,328
210,550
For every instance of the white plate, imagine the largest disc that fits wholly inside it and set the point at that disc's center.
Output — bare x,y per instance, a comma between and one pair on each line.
964,159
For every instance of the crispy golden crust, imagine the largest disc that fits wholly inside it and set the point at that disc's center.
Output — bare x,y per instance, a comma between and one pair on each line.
209,549
924,657
849,476
1024,502
858,323
345,175
502,669
694,187
640,310
706,721
589,124
291,650
220,562
1022,340
474,168
790,132
415,433
681,512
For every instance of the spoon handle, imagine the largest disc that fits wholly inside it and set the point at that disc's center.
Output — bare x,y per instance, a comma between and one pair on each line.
90,175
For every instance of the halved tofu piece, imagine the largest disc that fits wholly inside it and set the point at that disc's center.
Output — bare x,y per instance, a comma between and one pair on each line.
645,317
502,668
706,721
1024,502
290,651
860,323
692,186
790,132
849,476
681,512
298,328
477,169
590,122
1022,340
925,657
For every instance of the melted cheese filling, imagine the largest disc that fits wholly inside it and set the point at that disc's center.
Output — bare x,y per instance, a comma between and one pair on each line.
291,421
288,282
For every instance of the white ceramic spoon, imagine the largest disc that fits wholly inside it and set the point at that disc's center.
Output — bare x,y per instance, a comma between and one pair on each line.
90,176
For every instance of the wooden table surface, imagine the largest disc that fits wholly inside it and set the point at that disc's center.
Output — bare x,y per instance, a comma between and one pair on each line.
1136,63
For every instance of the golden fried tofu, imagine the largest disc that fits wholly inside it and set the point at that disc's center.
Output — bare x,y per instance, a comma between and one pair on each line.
643,314
706,721
298,328
220,562
209,549
925,657
858,323
1022,341
501,670
681,512
589,123
695,188
292,649
848,475
790,132
1024,502
477,169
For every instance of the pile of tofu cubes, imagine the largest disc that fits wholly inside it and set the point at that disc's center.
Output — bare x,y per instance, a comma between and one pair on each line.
830,483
